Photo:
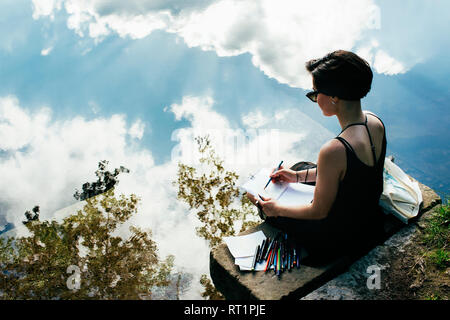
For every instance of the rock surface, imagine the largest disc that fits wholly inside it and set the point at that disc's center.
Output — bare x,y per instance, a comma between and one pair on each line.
352,284
345,278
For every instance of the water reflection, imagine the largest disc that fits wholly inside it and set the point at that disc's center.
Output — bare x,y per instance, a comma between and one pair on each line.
106,266
82,257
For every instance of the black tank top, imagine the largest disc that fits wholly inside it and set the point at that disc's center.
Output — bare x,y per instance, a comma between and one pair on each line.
355,216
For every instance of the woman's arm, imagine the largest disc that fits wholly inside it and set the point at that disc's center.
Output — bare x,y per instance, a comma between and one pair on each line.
308,175
331,165
289,175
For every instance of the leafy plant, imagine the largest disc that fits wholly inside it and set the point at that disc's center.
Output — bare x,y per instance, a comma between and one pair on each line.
107,266
437,231
441,258
214,196
211,192
106,180
437,236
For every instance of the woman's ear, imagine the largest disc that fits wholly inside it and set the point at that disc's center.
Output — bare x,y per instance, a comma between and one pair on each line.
334,100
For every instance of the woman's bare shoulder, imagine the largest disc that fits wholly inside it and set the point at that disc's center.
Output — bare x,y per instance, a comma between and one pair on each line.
333,149
333,159
374,120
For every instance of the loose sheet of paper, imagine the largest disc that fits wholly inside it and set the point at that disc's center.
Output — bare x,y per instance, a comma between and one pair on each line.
244,246
243,250
245,264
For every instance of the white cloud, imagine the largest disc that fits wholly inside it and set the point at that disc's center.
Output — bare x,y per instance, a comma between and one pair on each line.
380,60
17,127
384,63
46,51
45,8
137,130
280,35
255,119
198,110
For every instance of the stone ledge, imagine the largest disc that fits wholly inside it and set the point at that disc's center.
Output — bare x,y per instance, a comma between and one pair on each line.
243,285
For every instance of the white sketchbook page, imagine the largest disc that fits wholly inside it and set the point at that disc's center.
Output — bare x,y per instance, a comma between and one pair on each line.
244,246
289,194
297,194
255,185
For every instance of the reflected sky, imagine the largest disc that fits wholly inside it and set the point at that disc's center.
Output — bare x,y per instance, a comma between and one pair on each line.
94,90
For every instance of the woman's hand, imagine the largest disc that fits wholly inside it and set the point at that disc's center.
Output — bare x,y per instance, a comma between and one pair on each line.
269,206
283,175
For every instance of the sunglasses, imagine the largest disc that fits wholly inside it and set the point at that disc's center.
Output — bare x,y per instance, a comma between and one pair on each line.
312,95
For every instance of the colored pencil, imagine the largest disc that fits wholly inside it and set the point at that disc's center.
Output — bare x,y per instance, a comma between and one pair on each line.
261,251
269,248
278,257
274,252
254,258
267,264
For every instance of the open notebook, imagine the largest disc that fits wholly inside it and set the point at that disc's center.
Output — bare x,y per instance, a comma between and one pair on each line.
288,194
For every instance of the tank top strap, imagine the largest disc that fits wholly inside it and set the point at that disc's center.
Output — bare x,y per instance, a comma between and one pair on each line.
368,132
346,144
355,124
377,118
371,145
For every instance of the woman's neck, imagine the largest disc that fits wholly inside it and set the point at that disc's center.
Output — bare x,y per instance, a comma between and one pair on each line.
349,112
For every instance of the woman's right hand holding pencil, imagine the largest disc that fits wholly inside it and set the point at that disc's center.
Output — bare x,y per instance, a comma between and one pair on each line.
283,175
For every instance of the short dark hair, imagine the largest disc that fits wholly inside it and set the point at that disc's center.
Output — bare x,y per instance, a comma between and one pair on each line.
342,74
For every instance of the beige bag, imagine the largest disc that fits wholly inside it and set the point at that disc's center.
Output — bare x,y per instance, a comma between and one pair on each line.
401,196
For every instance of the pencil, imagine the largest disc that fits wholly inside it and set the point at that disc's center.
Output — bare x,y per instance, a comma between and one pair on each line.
271,177
274,252
266,247
282,257
278,258
295,257
267,264
269,248
289,259
261,250
254,258
273,260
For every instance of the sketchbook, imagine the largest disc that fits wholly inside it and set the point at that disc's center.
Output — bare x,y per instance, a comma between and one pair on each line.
288,194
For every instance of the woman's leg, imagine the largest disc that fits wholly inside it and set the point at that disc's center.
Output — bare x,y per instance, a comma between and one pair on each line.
301,231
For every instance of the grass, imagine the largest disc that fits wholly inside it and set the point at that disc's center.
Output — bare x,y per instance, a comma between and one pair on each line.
433,272
437,236
440,258
433,297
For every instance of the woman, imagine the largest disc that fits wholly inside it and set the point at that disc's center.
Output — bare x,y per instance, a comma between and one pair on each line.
344,215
